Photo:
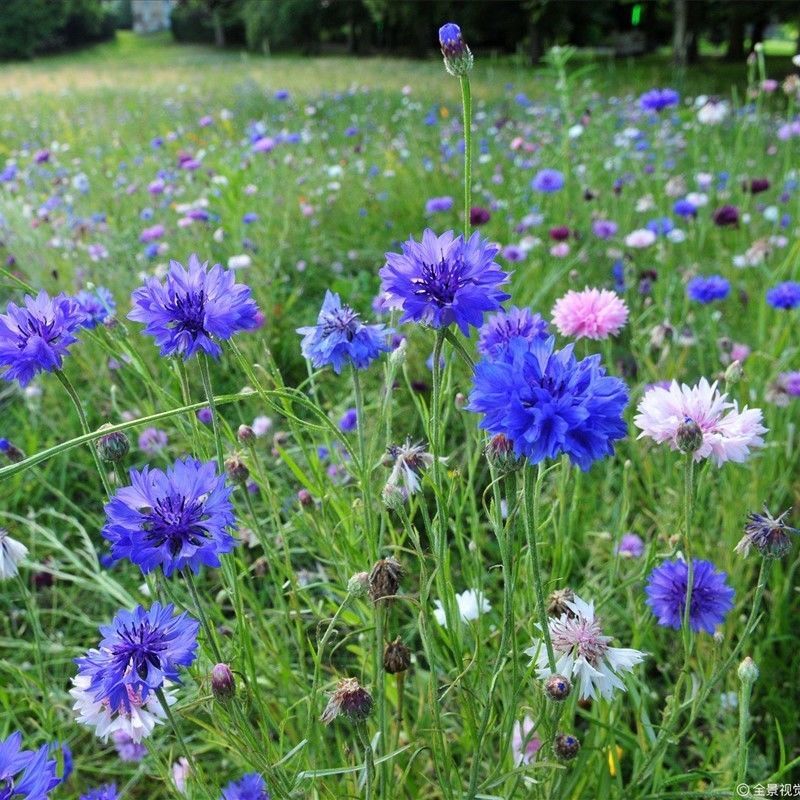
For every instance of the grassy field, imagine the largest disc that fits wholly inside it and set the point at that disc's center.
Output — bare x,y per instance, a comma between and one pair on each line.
116,159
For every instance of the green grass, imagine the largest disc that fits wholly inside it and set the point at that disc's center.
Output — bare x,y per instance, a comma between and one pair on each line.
290,626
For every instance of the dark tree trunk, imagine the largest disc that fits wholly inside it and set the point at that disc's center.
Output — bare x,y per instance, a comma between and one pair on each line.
535,43
680,40
219,31
735,51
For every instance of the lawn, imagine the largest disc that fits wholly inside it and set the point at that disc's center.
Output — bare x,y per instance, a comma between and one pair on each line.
300,174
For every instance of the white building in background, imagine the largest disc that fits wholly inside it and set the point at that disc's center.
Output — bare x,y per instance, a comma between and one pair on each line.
150,16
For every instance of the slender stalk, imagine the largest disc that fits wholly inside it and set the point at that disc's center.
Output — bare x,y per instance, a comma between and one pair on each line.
532,494
366,471
745,691
209,630
76,401
688,502
369,762
466,107
205,375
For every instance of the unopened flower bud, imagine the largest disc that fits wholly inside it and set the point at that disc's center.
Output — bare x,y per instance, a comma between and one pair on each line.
733,374
245,434
748,671
457,56
223,685
393,496
566,746
11,451
500,453
690,437
557,687
396,657
305,498
398,356
460,401
236,469
113,447
358,585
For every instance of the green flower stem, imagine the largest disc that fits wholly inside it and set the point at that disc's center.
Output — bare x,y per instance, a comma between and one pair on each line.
369,761
366,470
205,375
466,107
745,691
76,401
688,503
532,490
204,621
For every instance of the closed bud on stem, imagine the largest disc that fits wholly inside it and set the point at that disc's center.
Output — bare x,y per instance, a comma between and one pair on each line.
460,401
557,687
349,700
358,585
748,671
113,447
733,374
566,746
305,498
223,685
396,657
245,434
457,56
236,469
384,579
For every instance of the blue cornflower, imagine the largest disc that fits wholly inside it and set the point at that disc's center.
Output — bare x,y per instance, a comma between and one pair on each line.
503,326
36,336
97,305
711,600
658,99
706,289
548,181
437,204
444,279
660,226
349,421
546,402
340,337
107,792
193,308
684,208
139,651
248,787
785,295
174,519
25,774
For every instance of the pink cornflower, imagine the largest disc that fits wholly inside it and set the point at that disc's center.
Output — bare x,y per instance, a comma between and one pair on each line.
583,653
727,433
590,314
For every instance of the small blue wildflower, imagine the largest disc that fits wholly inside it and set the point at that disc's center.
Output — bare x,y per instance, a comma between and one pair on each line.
785,295
36,336
174,519
706,289
193,308
139,651
349,421
546,402
503,326
444,279
711,599
107,792
438,204
98,306
548,181
25,774
658,99
684,208
248,787
340,337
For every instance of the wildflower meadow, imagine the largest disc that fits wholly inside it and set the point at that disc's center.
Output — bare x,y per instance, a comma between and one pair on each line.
398,430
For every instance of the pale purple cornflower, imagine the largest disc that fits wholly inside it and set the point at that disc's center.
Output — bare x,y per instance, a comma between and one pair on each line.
525,744
583,653
630,546
152,441
728,434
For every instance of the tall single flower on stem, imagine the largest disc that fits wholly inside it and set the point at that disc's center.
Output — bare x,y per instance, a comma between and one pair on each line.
194,308
36,336
25,774
178,518
140,651
546,402
445,279
457,55
710,598
340,337
584,653
724,432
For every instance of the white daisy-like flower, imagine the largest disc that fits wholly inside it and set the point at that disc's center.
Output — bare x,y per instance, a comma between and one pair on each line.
583,653
471,604
409,461
138,723
11,553
728,434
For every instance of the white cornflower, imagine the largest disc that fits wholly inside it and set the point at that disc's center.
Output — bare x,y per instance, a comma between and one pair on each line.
409,461
471,604
11,553
583,654
138,723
